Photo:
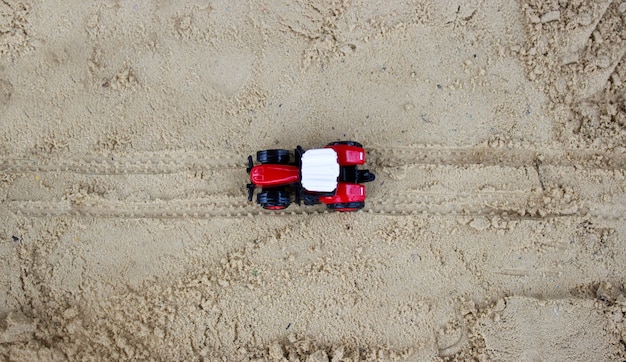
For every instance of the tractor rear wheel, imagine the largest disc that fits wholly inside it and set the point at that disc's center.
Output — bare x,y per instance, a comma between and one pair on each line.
347,143
346,206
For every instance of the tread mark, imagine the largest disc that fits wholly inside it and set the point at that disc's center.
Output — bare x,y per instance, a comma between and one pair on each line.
506,205
174,162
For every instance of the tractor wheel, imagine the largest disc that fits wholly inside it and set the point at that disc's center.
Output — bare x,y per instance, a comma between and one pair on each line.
347,143
346,206
273,156
273,199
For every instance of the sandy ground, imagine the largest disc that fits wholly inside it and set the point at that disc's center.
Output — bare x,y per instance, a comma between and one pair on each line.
494,231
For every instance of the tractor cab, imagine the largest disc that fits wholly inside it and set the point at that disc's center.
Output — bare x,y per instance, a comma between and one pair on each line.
320,170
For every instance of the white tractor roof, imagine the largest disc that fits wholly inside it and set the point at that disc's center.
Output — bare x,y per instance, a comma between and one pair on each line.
320,170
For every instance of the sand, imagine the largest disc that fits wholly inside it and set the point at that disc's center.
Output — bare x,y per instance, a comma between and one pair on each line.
495,229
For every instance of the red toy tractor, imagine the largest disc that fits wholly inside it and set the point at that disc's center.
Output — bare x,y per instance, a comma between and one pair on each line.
326,175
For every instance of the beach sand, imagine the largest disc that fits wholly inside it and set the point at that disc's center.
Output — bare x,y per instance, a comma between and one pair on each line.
495,229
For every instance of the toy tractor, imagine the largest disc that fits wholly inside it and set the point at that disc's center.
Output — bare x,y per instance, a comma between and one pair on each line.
328,175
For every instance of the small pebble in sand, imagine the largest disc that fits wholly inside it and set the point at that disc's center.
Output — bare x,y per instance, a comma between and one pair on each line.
551,16
585,19
480,223
597,37
616,79
534,19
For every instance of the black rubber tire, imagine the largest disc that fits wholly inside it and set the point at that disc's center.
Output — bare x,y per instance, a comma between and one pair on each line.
346,206
273,199
347,143
273,156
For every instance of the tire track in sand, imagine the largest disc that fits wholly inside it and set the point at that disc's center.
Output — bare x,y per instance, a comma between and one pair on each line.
119,164
464,199
496,156
511,205
168,162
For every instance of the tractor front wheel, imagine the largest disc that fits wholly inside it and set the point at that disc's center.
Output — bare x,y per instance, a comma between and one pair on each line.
273,156
273,199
